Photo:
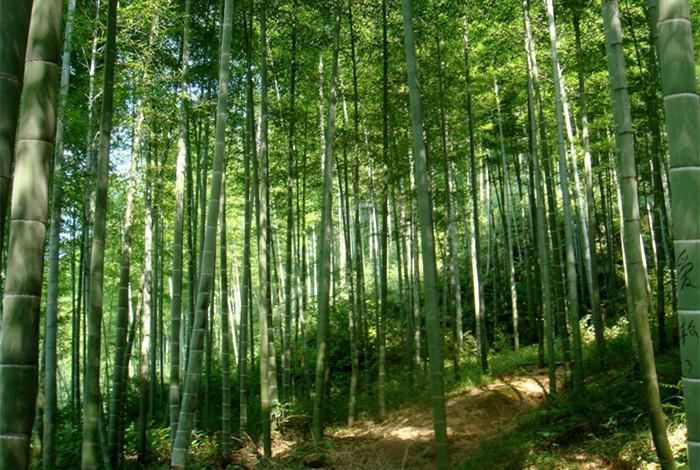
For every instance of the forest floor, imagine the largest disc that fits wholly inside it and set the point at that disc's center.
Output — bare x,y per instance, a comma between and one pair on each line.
506,421
404,440
502,420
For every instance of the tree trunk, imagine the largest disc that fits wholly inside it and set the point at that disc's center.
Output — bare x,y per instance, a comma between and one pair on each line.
304,292
93,407
594,287
543,253
194,364
407,295
455,294
660,208
88,195
677,64
571,275
352,314
225,337
287,375
246,311
360,309
51,328
190,217
636,289
176,301
425,214
155,284
118,395
506,202
415,277
145,384
556,271
475,255
264,294
22,294
383,231
324,245
75,327
14,27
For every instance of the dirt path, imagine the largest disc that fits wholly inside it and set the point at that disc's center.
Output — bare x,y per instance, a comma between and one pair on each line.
404,439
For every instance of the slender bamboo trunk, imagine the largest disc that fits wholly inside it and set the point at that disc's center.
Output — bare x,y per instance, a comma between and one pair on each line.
93,407
352,314
287,376
607,224
204,405
415,277
651,139
373,242
407,295
455,296
161,391
475,255
125,379
594,287
194,364
275,319
203,159
361,310
428,246
304,291
246,313
506,202
324,244
246,291
145,384
383,299
665,256
225,337
190,216
176,301
571,274
88,196
118,395
383,233
543,253
636,289
396,222
75,325
555,237
155,285
579,205
298,286
264,294
51,326
354,235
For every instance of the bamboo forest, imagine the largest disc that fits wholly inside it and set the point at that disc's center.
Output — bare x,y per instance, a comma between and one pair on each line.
349,234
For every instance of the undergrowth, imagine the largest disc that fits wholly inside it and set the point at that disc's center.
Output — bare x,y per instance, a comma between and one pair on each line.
606,427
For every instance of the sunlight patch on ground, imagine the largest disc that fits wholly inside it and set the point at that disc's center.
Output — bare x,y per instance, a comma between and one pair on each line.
529,387
677,436
410,433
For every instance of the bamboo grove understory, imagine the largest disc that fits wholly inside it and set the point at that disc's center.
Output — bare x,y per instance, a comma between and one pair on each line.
220,221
